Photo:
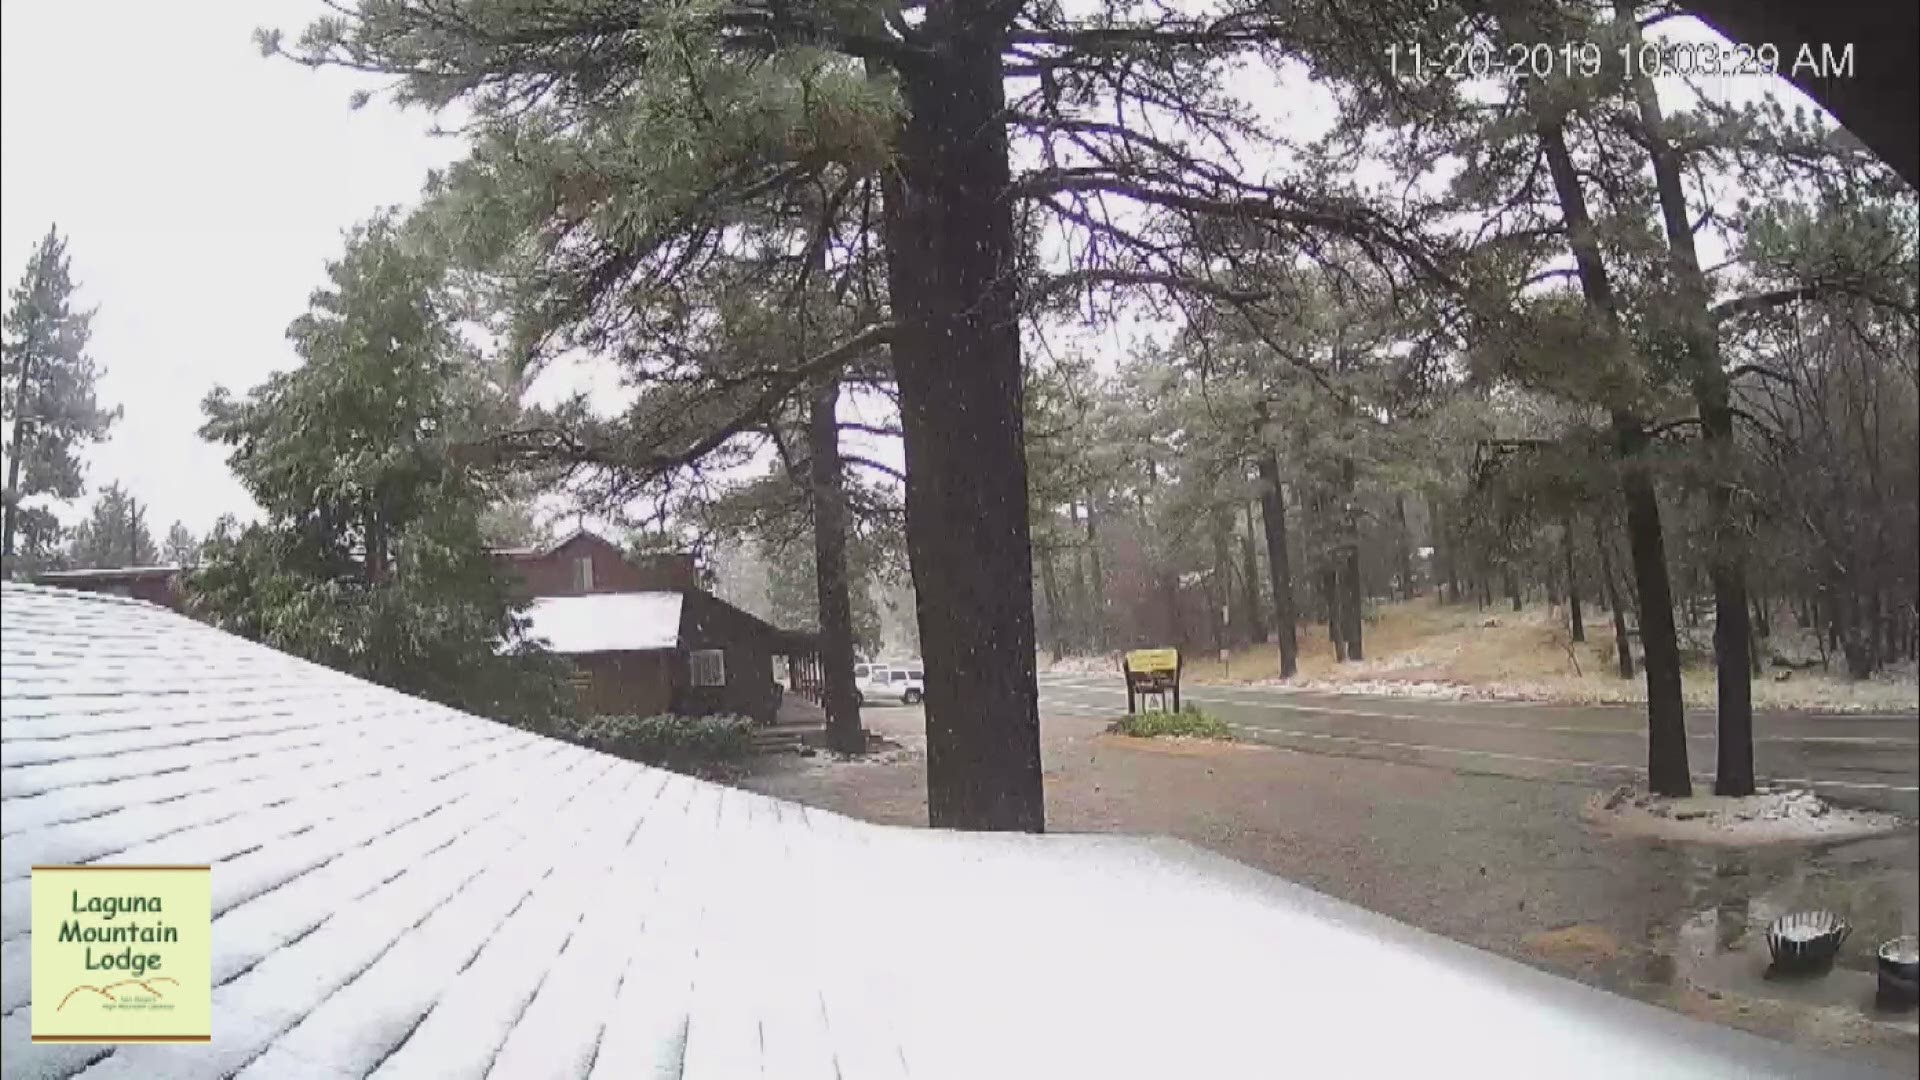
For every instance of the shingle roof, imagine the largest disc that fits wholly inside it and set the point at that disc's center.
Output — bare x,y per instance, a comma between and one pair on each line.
607,622
402,890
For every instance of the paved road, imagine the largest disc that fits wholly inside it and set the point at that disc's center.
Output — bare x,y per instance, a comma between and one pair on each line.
1862,760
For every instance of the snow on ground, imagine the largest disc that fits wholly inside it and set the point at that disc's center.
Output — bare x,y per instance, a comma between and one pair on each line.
1422,649
1082,665
1779,816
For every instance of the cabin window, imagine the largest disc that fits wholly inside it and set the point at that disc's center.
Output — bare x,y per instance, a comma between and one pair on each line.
707,667
583,573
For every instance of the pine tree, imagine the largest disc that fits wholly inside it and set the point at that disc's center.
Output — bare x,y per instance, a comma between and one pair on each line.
114,535
48,412
181,548
370,559
603,176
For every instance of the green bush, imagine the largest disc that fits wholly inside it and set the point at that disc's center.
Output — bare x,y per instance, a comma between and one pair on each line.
1189,723
688,744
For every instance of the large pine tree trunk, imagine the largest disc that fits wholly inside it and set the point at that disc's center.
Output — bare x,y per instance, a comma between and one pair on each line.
956,355
1273,518
830,575
1667,770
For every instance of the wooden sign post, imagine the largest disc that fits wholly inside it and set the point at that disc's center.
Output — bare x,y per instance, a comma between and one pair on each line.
1152,671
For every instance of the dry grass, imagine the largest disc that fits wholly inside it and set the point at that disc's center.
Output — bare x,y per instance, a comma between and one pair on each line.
1425,649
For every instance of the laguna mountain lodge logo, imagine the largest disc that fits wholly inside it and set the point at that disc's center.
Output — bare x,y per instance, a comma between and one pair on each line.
122,954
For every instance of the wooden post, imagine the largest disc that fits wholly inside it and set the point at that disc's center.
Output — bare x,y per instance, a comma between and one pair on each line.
1179,662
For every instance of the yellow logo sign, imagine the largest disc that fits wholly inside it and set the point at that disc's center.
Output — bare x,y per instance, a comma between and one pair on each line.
122,954
1153,660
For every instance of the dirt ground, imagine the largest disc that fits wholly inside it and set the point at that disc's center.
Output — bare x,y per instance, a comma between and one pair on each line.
1426,649
1498,862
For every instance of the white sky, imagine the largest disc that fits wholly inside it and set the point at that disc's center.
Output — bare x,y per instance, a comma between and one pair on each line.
202,188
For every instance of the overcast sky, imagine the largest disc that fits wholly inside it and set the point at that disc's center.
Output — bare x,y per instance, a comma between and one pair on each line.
202,189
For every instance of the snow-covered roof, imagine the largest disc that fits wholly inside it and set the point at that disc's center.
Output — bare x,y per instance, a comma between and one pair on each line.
107,573
551,546
607,622
403,890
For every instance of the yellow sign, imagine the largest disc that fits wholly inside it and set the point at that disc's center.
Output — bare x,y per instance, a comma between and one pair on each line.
122,954
1153,660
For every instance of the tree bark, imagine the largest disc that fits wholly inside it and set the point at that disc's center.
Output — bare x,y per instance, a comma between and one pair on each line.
1273,516
1170,599
1082,621
1513,586
1050,592
830,576
1405,545
1336,621
1097,580
16,442
1576,625
952,272
1352,605
1250,584
1667,770
1447,539
1621,642
1732,634
1230,623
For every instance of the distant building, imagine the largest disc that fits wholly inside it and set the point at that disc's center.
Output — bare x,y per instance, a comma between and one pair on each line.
645,638
583,563
154,584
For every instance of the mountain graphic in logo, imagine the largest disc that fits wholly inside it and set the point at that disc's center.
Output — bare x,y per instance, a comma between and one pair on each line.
121,986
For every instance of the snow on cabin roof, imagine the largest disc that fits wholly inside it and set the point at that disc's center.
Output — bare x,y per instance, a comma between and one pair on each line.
404,890
106,573
607,622
551,546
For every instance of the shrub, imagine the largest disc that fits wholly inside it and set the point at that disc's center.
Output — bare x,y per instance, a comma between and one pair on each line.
1188,723
688,744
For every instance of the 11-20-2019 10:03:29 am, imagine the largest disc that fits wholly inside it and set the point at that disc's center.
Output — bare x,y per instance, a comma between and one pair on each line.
1587,59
